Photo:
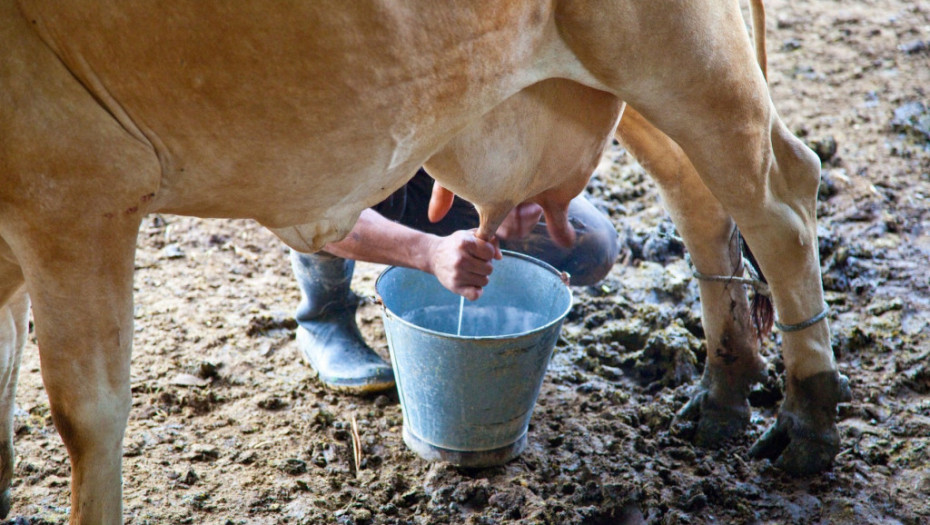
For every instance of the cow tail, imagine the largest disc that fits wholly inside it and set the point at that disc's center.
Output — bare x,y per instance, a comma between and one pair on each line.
761,311
757,12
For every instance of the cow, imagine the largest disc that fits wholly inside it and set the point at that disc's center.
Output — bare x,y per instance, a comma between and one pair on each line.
111,110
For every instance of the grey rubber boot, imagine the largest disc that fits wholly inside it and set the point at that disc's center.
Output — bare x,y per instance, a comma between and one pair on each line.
327,334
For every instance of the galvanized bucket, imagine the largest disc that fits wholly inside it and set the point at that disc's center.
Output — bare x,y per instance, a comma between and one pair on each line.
467,399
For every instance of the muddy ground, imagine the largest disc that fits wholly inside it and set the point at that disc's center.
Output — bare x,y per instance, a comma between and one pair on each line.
229,426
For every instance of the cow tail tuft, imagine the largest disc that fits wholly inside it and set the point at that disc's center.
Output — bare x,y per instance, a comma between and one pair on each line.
761,311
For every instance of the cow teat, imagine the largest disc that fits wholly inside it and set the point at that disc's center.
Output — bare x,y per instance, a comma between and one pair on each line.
560,229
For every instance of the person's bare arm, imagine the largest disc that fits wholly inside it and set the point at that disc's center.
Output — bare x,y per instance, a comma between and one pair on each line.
460,261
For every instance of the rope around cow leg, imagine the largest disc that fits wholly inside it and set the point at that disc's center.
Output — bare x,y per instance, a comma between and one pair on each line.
755,281
761,288
804,324
757,284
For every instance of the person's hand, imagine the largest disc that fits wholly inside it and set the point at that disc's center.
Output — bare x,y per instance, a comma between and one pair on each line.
462,262
520,221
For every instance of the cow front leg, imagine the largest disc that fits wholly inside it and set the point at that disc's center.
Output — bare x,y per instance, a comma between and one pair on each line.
83,316
719,407
14,326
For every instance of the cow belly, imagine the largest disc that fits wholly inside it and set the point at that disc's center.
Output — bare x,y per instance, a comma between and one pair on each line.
364,98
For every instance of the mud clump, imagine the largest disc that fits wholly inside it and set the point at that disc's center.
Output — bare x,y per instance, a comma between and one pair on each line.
913,119
668,358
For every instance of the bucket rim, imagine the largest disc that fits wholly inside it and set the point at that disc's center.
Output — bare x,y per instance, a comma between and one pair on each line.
557,320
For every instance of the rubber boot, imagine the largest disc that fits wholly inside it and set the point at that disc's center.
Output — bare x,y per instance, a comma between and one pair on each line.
327,334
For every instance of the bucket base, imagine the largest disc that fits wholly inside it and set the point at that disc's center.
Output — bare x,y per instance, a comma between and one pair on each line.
479,458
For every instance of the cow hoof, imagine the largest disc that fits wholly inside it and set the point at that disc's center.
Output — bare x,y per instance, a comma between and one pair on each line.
715,423
804,439
796,448
5,503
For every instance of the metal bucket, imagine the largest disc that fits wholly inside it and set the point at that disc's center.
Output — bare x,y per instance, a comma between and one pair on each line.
467,399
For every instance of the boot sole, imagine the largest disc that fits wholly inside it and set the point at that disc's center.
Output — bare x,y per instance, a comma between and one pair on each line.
364,388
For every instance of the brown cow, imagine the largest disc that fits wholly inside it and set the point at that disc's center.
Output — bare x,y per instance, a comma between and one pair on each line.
110,110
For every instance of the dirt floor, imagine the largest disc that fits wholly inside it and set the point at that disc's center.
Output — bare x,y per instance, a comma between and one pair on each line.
228,426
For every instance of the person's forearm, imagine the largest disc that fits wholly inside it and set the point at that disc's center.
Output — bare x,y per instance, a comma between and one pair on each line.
379,240
461,261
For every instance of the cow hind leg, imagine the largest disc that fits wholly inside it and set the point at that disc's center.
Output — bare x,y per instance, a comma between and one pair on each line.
804,438
719,408
14,325
720,113
766,179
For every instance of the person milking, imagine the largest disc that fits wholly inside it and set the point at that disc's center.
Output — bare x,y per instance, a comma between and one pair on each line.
398,232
